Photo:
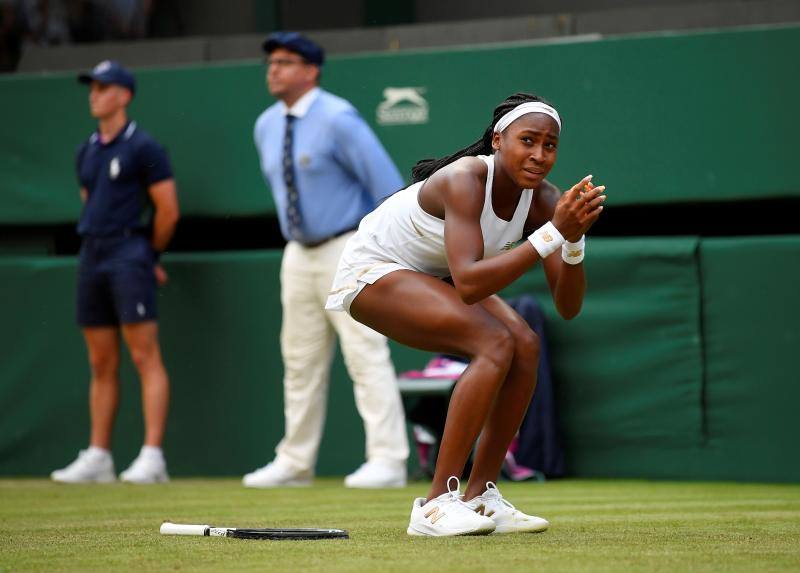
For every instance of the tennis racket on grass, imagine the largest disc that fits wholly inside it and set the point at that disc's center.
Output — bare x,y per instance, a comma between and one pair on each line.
169,528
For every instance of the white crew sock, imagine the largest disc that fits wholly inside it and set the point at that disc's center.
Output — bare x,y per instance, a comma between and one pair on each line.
152,452
98,452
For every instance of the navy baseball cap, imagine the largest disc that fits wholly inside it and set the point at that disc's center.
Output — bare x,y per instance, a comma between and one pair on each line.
110,72
297,43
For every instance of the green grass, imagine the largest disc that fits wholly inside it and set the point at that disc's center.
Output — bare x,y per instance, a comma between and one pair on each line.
597,526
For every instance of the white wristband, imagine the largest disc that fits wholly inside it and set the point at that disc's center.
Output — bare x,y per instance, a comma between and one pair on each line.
572,253
546,239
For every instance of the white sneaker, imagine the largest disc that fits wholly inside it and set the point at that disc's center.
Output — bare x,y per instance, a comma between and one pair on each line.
275,474
508,518
148,467
447,515
91,466
377,474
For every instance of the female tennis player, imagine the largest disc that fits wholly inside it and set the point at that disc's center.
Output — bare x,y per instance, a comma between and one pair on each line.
460,221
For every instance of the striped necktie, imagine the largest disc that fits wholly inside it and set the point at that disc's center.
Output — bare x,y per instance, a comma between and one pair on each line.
294,216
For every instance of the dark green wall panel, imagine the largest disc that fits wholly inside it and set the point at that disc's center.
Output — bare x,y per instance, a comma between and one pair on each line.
681,364
658,118
220,319
628,369
752,327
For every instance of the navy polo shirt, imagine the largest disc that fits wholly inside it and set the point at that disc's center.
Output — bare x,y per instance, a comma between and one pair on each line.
117,175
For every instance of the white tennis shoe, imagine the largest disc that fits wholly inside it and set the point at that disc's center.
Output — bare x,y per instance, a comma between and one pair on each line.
378,474
91,466
275,474
447,515
507,518
149,467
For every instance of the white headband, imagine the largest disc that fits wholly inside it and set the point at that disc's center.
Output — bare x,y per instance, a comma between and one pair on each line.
525,108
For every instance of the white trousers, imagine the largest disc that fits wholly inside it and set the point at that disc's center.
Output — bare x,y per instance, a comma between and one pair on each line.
308,337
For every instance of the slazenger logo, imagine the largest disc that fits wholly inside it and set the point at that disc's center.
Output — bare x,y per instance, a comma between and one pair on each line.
402,106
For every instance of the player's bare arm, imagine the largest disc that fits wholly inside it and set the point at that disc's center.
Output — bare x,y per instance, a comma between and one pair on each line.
475,278
573,214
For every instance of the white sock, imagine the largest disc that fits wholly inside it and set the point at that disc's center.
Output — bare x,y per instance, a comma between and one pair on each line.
98,452
152,452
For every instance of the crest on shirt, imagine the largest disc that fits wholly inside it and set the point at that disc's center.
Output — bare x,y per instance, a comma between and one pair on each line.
304,160
113,168
402,106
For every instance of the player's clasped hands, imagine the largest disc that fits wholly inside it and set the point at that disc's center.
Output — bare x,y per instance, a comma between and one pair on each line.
579,208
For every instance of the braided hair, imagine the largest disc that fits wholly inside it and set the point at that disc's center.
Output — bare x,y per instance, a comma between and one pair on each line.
427,167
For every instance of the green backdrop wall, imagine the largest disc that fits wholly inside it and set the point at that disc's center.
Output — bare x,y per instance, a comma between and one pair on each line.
657,118
681,364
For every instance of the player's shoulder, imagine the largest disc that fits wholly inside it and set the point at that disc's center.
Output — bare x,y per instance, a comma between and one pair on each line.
470,169
463,180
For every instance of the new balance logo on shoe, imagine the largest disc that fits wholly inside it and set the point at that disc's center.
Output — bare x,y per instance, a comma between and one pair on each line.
434,514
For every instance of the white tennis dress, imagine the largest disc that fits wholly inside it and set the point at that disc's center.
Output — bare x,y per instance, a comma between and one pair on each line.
399,234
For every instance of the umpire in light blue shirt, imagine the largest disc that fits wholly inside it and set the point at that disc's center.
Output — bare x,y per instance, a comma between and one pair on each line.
326,169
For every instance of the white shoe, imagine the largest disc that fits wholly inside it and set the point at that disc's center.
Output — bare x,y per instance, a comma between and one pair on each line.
275,474
377,474
148,467
447,515
91,466
508,518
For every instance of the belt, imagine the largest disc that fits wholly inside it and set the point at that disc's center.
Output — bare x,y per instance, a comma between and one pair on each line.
129,232
314,244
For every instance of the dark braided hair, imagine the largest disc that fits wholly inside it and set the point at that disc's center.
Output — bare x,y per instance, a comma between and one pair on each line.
427,167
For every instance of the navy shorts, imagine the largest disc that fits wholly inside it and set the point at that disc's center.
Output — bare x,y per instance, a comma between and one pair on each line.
116,283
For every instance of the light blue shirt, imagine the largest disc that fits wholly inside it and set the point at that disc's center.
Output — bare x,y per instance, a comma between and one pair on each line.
341,169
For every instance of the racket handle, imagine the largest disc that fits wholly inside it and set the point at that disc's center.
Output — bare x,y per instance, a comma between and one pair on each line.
168,528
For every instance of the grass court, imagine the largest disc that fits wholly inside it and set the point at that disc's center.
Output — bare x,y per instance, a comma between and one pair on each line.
597,526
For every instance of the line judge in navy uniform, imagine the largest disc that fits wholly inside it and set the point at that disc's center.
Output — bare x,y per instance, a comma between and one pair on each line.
326,169
129,215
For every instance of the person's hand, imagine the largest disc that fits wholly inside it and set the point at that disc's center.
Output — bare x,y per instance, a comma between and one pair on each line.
161,274
578,209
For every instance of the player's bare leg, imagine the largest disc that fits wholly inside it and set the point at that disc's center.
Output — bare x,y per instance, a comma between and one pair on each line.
512,400
428,314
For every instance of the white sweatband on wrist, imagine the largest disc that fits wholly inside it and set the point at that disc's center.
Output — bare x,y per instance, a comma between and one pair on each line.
572,253
546,239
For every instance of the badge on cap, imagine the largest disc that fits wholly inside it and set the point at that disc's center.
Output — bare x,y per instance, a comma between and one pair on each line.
102,67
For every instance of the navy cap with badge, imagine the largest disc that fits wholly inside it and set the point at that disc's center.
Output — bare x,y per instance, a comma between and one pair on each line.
297,43
110,72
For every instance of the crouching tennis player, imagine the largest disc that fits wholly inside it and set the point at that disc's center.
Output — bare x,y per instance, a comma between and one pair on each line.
461,218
